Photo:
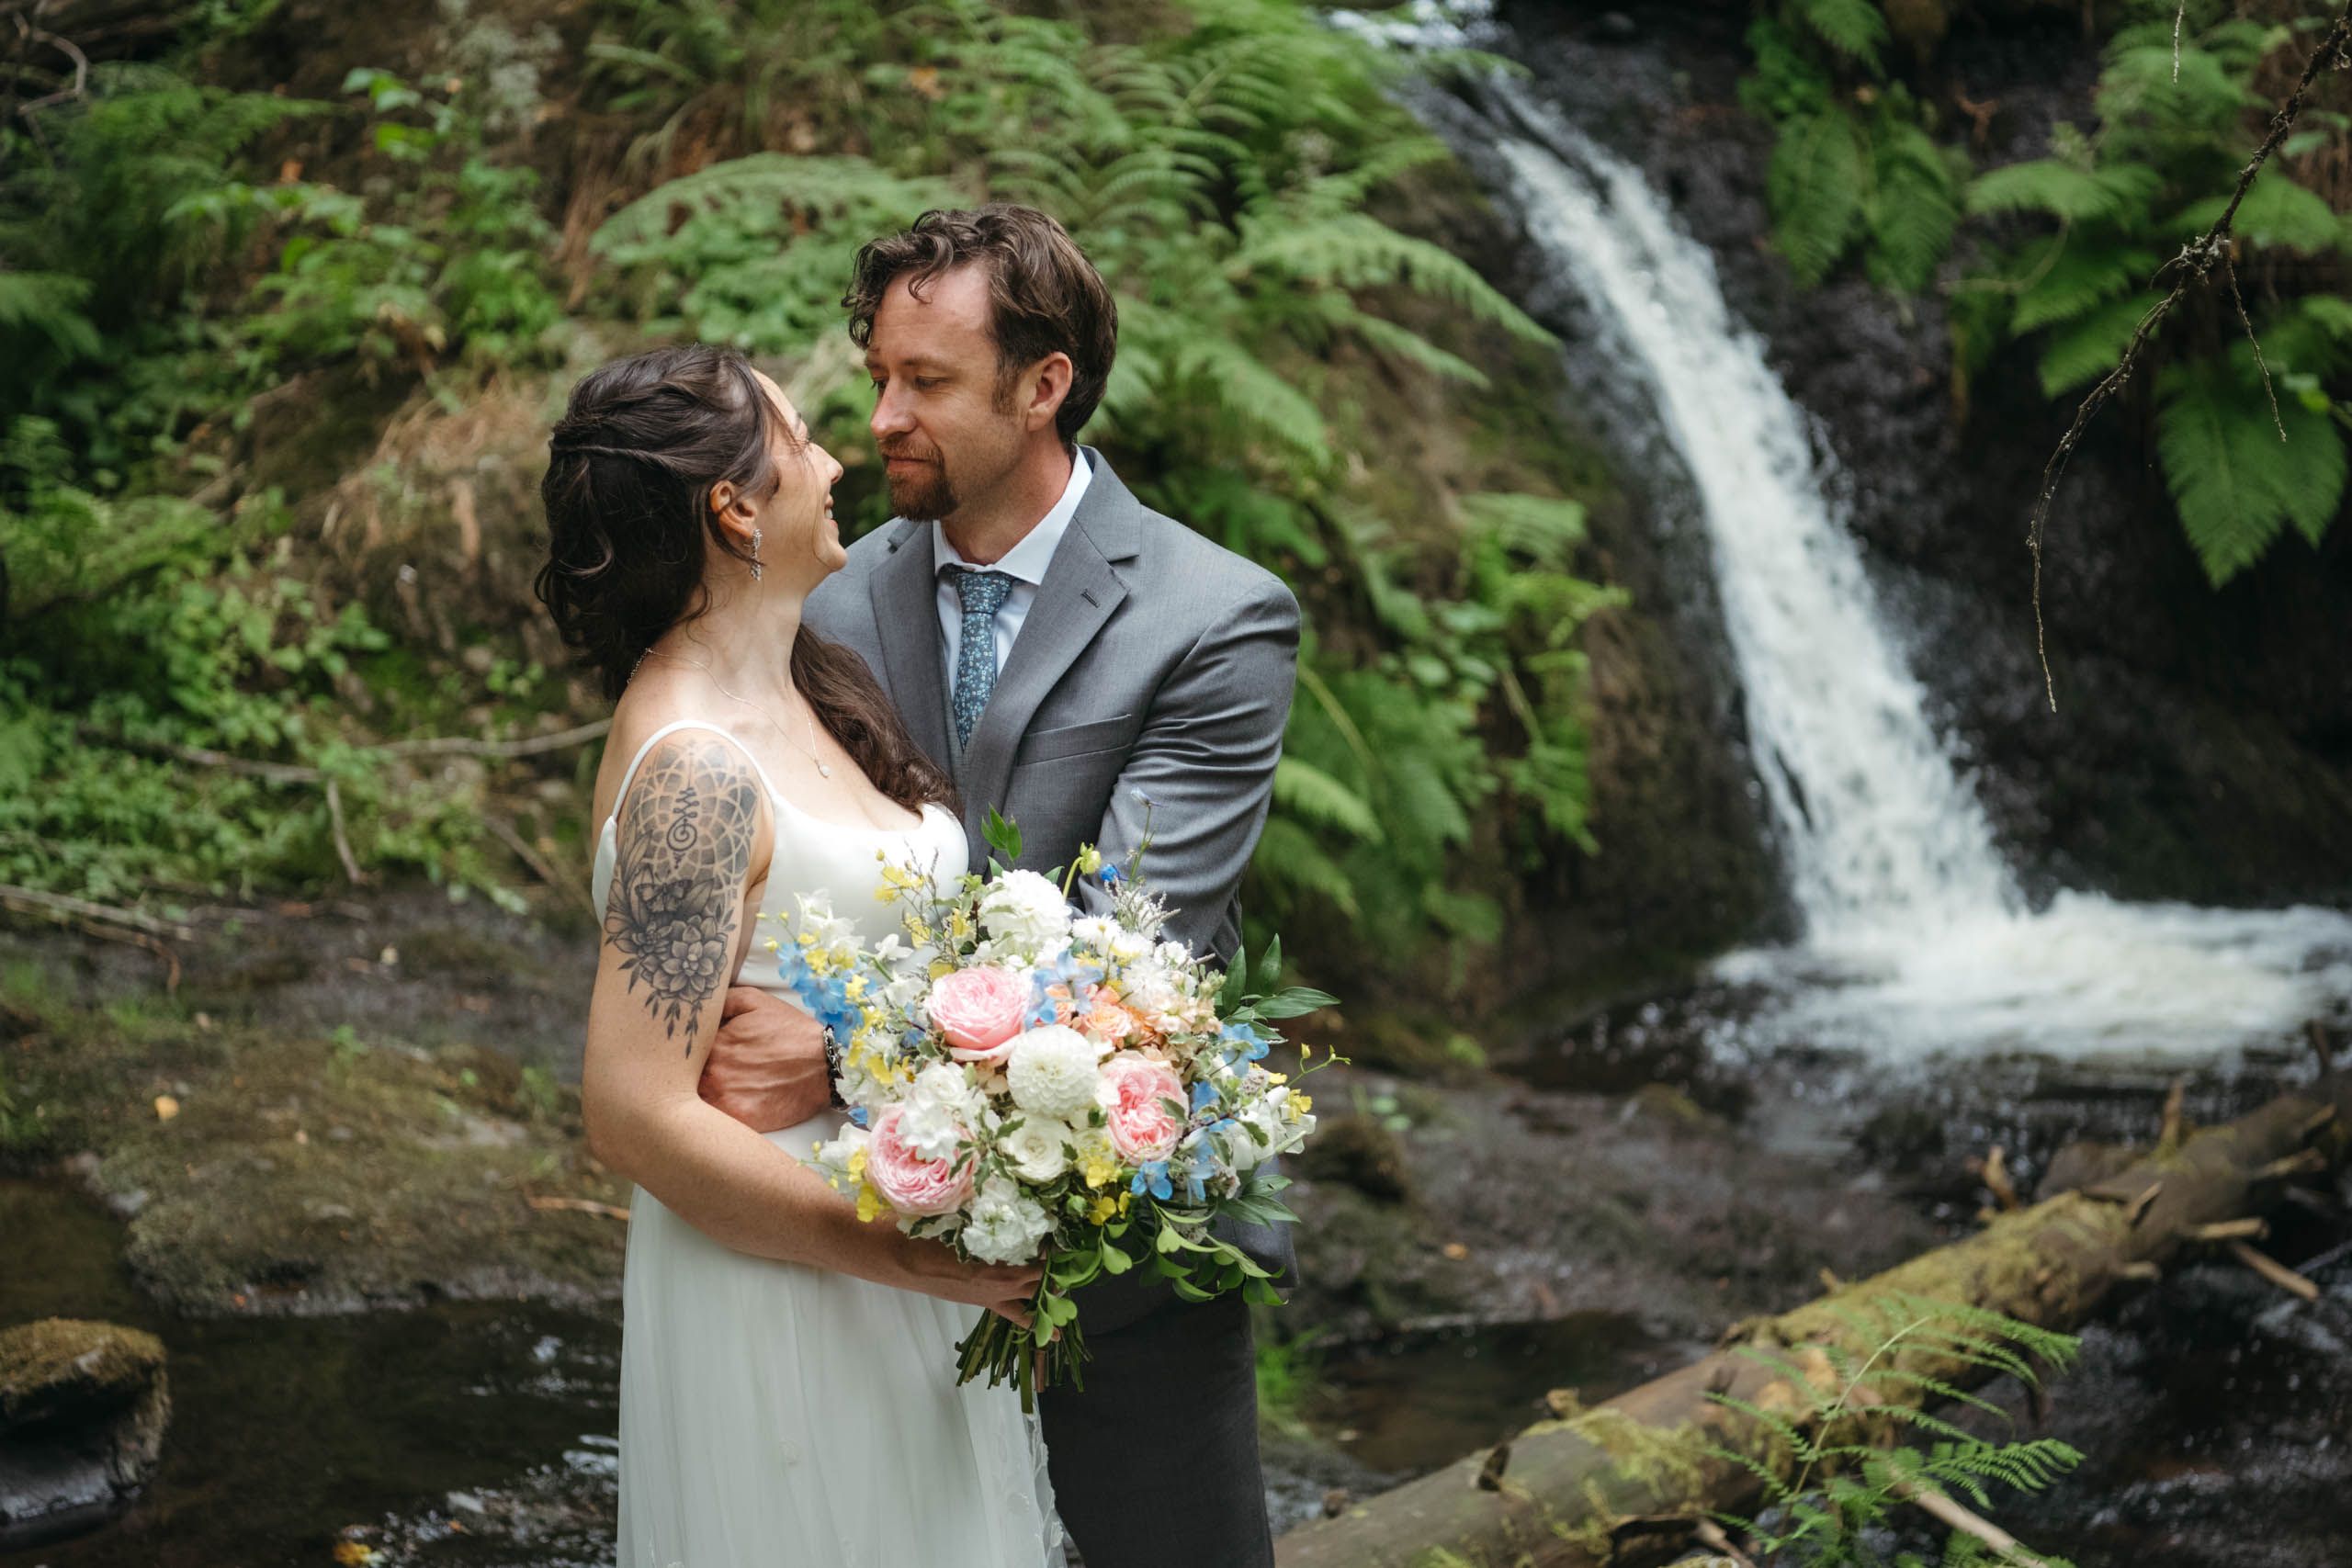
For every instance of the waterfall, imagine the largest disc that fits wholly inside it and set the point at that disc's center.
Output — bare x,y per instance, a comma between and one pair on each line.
1917,939
1877,827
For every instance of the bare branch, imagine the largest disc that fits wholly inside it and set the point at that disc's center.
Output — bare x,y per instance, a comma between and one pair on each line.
2198,258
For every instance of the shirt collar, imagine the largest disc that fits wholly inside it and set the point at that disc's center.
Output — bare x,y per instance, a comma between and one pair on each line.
1026,561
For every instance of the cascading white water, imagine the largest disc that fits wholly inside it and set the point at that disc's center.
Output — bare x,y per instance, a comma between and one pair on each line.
1877,827
1916,937
1917,940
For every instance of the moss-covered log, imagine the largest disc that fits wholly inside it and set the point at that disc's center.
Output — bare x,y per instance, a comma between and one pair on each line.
1622,1484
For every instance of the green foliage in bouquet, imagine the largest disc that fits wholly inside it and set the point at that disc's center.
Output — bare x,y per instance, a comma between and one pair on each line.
1836,1477
1027,1084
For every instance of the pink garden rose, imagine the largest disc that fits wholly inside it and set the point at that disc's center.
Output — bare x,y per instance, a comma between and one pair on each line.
908,1182
1134,1088
980,1010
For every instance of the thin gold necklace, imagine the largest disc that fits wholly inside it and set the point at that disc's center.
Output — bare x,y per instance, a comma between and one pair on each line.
823,770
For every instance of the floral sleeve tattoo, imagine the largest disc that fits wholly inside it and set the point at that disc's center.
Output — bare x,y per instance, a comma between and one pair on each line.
677,900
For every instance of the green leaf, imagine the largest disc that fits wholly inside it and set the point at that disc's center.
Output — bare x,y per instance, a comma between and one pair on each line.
2072,274
2276,212
1853,28
2064,190
1296,1001
1313,796
1815,181
2086,349
2237,485
1003,836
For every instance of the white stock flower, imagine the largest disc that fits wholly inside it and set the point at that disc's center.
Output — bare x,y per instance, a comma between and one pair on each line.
1025,911
1036,1149
1053,1071
1265,1132
1003,1224
942,1107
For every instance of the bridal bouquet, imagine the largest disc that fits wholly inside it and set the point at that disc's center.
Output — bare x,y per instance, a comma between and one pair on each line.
1027,1081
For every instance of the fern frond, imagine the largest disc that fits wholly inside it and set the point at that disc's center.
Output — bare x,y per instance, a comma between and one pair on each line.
2064,190
1853,28
2088,347
1815,181
1318,799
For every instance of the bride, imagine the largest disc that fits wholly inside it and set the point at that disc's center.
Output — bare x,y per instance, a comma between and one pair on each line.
788,1373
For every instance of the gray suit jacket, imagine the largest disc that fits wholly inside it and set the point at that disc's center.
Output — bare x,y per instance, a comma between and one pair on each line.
1152,664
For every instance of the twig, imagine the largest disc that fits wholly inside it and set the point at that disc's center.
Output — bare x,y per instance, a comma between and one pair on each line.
341,841
2319,1044
2278,1273
1711,1534
1996,1180
2175,1125
2226,1230
2302,1162
2196,259
505,833
60,906
580,1206
462,745
2140,1269
2004,1546
2231,272
2136,1209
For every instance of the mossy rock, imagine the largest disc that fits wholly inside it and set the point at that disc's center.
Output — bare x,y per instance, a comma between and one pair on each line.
61,1366
1361,1153
83,1407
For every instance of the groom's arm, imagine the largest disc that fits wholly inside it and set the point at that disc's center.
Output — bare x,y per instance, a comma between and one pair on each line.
1206,760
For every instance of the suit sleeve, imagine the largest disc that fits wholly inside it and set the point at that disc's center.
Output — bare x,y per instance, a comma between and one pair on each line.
1205,760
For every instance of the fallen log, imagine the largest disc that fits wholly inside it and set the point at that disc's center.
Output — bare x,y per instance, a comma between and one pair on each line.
1625,1483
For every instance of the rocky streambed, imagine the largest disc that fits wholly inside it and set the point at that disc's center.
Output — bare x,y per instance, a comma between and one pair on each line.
429,1377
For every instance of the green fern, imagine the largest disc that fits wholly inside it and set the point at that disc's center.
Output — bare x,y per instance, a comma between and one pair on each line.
1853,28
1815,182
1827,1482
2236,483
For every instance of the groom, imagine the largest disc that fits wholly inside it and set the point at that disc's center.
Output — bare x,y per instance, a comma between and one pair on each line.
1069,655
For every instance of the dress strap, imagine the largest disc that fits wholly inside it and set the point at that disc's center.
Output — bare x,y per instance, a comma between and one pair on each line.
629,776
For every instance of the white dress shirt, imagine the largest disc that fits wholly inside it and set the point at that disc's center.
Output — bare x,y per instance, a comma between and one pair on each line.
1026,563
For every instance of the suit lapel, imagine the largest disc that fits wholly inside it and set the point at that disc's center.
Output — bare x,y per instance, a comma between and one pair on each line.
1079,594
906,615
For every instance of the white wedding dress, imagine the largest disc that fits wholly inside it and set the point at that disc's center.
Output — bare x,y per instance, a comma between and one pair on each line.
774,1415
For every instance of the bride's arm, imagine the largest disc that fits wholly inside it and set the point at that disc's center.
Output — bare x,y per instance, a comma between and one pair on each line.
694,825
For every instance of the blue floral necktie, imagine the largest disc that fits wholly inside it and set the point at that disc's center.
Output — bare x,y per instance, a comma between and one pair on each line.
982,595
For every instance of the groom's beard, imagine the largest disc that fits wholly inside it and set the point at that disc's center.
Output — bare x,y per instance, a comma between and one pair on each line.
918,489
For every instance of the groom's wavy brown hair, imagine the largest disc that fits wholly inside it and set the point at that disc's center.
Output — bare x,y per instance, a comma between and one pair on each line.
630,469
1044,294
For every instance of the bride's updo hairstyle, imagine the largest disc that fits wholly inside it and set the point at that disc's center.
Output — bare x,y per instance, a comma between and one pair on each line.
630,469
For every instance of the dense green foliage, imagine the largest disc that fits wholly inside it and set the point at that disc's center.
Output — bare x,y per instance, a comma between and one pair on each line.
1841,1476
1218,159
2067,251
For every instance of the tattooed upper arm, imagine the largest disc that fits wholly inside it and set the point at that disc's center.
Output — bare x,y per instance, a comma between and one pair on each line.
682,855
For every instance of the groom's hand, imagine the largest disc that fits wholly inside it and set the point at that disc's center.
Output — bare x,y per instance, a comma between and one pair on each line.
767,1067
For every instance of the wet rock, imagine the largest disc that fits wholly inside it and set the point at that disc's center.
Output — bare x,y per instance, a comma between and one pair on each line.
1360,1152
83,1407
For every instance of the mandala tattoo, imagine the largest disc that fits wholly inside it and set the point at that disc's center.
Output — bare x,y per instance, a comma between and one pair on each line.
684,849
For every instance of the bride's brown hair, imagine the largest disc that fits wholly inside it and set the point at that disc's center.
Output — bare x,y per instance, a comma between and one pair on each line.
630,469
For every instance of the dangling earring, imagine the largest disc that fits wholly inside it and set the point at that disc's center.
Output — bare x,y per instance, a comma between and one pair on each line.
755,555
